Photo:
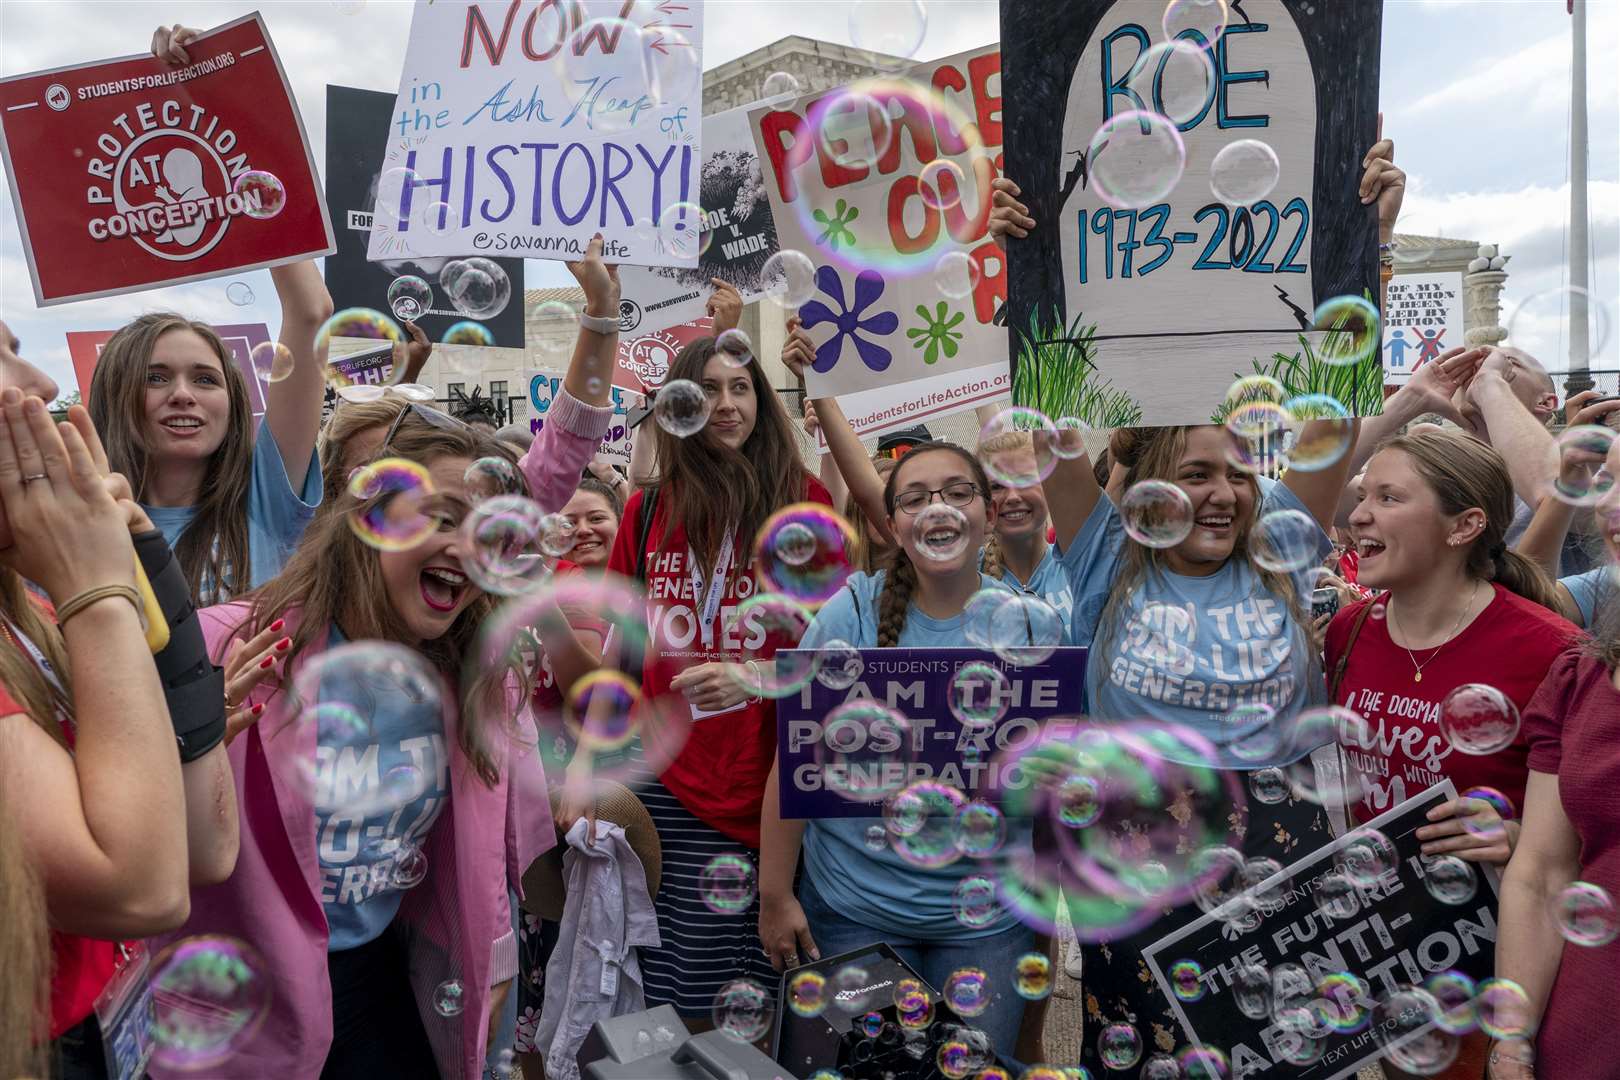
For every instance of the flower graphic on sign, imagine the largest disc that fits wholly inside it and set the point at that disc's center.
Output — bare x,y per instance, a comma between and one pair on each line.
937,333
836,225
868,287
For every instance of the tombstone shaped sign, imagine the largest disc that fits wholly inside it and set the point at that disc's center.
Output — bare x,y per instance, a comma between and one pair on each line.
1191,241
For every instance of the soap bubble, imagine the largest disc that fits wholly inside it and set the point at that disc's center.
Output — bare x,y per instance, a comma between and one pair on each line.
1367,855
1328,442
1399,1021
1580,475
409,297
841,665
1159,1067
727,884
481,290
1032,976
892,28
1244,172
1268,786
742,1009
673,70
1119,1046
864,749
765,623
807,993
1078,801
263,193
805,551
1449,880
392,515
210,993
852,128
1478,719
1454,992
980,695
980,830
394,188
272,361
1173,78
734,347
1586,915
922,822
491,476
1135,159
781,90
467,332
439,218
555,324
940,532
1201,22
940,184
359,323
1285,541
410,868
852,988
239,293
1541,322
1503,1009
1156,514
1025,630
601,709
1351,328
681,408
956,275
877,838
974,901
504,540
1186,980
1251,990
1026,469
448,998
981,608
1336,895
795,274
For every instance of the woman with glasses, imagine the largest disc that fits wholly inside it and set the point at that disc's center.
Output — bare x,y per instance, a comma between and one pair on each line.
690,538
853,893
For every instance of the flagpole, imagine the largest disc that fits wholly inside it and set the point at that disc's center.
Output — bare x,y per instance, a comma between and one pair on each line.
1580,345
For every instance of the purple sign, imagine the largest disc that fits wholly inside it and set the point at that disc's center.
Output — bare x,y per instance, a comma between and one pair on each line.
829,755
372,366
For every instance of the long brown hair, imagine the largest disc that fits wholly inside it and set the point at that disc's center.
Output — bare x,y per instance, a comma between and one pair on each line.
1603,640
215,544
24,992
708,487
19,675
335,579
348,420
901,580
870,557
1154,453
1465,473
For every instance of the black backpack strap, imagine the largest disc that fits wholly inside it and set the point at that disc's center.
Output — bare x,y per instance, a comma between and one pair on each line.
644,524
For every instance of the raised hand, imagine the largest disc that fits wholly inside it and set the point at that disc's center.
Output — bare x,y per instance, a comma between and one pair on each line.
600,281
1009,216
168,43
1382,182
798,352
724,306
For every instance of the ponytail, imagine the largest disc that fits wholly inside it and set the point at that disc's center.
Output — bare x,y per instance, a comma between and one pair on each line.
1522,577
992,564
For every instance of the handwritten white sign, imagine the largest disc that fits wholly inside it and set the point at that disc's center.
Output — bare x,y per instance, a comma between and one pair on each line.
535,125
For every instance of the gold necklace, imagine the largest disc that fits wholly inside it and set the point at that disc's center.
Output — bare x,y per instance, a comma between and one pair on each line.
1417,668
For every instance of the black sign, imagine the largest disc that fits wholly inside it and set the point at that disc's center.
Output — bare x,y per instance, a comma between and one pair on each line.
360,147
1355,947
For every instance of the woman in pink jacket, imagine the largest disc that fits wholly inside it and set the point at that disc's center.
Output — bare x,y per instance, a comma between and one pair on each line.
386,811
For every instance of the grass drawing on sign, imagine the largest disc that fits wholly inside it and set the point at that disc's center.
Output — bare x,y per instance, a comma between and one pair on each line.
1055,372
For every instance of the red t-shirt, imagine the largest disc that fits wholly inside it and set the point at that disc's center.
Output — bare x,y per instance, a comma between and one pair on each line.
80,967
720,770
1573,726
1509,646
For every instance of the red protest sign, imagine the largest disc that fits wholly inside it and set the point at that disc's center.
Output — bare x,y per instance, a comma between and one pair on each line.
130,174
644,361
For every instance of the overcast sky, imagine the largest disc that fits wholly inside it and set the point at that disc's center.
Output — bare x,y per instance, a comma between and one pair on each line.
1475,93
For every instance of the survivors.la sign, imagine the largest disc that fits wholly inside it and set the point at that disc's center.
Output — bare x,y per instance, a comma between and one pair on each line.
132,173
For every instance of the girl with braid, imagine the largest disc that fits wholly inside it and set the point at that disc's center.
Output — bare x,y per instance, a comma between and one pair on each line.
849,894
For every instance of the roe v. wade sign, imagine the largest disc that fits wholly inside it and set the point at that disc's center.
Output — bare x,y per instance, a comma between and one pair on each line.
1138,302
132,173
536,125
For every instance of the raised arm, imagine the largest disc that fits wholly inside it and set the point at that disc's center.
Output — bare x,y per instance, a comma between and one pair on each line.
1515,432
1320,489
831,478
412,357
292,406
1529,946
844,446
784,932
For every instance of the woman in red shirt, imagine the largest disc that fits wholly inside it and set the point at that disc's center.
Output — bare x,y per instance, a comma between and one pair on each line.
1571,831
689,537
1458,607
96,790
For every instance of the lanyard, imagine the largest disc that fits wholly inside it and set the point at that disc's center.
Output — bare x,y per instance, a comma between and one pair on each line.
44,665
717,585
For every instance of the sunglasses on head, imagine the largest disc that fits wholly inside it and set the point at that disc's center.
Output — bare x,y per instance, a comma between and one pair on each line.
442,421
361,393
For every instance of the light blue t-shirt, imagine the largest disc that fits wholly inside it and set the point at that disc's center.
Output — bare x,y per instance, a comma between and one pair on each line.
1050,582
1587,587
277,515
1188,650
382,778
878,888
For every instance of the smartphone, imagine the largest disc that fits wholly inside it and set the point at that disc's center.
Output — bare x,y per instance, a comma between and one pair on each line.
1324,602
1610,419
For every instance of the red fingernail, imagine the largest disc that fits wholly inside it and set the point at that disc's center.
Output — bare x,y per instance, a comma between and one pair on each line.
257,709
281,646
267,662
277,625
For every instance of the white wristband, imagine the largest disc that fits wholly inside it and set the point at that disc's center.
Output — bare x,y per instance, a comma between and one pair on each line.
599,324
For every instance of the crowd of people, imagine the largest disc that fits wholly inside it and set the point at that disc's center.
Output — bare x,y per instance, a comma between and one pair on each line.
211,626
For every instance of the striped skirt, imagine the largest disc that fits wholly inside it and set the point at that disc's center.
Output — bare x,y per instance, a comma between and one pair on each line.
702,949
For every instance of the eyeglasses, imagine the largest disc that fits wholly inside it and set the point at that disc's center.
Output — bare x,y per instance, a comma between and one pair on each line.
958,494
361,393
442,421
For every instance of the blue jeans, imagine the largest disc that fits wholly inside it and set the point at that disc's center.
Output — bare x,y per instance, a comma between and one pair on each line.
934,960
